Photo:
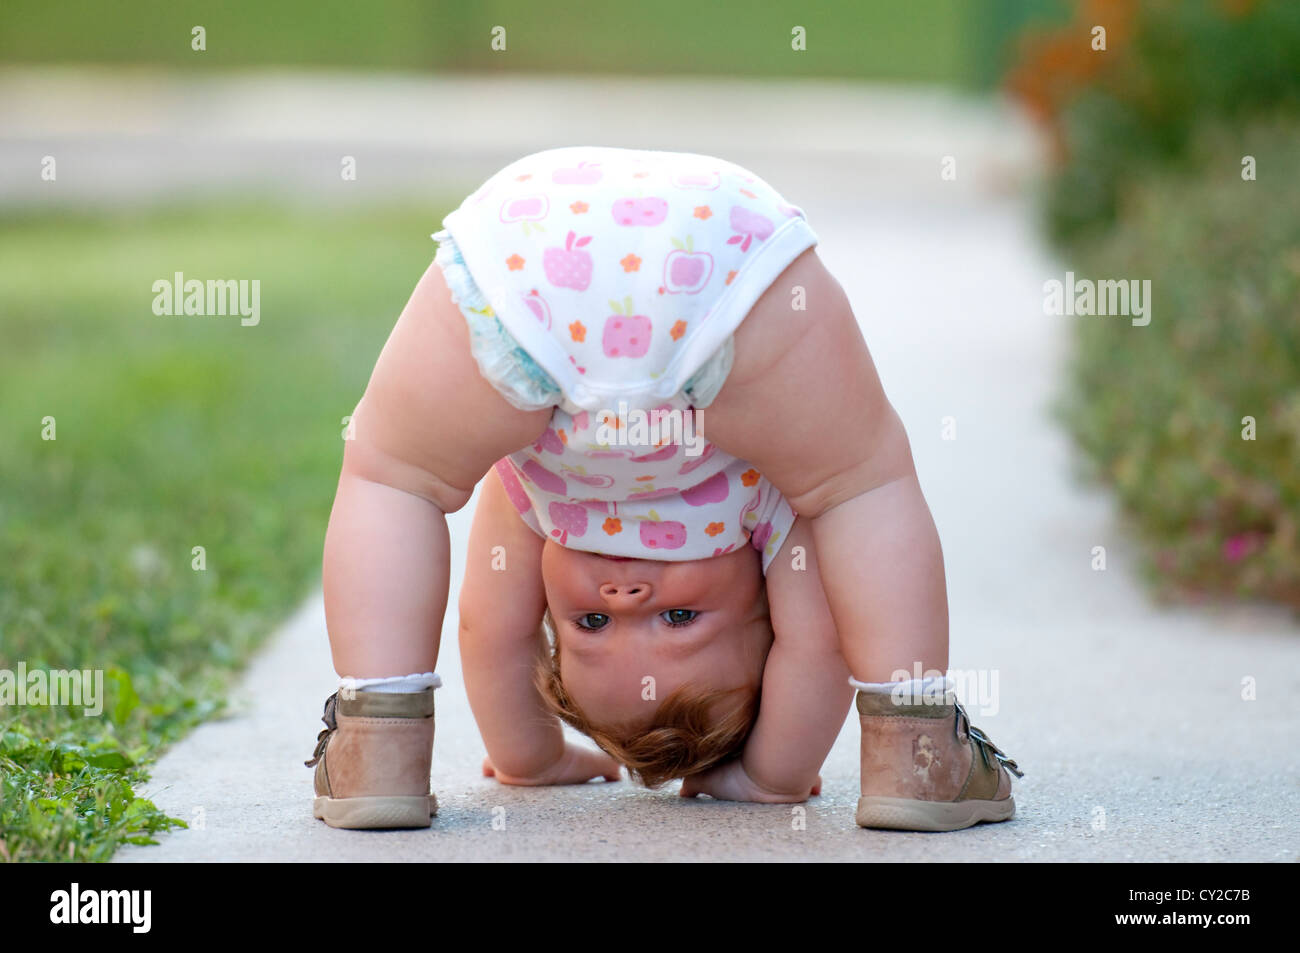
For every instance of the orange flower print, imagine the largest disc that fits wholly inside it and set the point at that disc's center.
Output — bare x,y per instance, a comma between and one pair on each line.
642,479
749,193
703,211
563,438
713,529
677,330
578,331
525,178
515,263
630,263
612,525
578,208
750,477
730,275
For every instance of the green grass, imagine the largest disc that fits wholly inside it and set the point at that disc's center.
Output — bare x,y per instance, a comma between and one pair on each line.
171,433
942,41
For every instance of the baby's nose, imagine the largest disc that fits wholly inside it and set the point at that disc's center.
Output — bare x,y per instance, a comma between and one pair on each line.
628,593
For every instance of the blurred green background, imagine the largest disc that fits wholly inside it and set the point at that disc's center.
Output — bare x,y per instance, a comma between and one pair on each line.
942,41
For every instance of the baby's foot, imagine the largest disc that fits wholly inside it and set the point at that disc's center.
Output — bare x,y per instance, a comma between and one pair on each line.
373,759
926,768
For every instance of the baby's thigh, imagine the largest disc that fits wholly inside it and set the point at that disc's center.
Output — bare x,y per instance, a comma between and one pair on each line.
803,402
429,423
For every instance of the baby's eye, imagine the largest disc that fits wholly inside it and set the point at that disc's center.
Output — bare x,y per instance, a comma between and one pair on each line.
593,621
678,616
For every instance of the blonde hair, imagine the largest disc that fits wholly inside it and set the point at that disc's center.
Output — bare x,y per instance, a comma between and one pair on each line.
683,738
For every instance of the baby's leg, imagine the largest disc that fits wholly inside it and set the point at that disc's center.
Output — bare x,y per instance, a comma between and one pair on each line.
426,430
803,403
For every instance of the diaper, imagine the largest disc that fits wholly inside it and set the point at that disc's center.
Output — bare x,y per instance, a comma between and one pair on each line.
593,275
505,364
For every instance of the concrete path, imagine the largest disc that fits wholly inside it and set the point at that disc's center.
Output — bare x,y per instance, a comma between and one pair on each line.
1128,719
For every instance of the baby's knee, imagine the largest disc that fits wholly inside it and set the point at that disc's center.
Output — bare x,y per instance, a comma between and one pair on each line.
859,467
364,457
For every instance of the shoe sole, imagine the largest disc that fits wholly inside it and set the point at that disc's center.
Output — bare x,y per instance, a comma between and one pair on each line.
375,813
906,814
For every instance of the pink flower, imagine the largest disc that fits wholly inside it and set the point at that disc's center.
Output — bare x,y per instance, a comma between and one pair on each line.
1236,548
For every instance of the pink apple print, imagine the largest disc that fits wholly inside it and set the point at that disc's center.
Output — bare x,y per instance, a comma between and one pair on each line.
705,181
649,211
585,173
712,490
567,518
514,489
761,534
580,421
695,462
665,534
790,211
749,225
538,306
599,480
544,478
600,506
603,454
528,208
550,440
570,266
626,334
664,453
687,271
655,494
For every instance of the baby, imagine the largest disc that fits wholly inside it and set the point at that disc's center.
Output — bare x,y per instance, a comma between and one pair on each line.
697,497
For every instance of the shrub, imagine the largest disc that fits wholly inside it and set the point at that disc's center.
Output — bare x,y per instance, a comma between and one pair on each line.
1169,65
1158,410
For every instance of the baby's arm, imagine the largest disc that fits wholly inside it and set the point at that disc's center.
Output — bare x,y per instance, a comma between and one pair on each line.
805,697
501,606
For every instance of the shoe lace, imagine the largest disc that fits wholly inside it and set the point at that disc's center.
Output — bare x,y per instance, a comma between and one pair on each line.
331,725
985,744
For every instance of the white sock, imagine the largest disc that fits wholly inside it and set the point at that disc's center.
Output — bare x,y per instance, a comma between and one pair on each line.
394,684
913,690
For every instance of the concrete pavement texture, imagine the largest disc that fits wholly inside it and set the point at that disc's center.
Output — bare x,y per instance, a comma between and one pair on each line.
1134,722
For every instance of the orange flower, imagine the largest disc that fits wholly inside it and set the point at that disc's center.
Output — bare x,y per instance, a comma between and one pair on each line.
713,529
703,212
515,263
677,330
612,525
749,193
563,438
750,477
730,275
523,178
577,208
578,331
630,262
643,478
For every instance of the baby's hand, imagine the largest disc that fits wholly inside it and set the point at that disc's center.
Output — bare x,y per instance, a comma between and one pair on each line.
730,782
577,765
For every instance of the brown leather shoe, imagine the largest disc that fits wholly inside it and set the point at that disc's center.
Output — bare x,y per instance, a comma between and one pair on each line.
373,760
926,768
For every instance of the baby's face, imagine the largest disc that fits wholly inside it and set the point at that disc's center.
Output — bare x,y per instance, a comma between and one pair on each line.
619,621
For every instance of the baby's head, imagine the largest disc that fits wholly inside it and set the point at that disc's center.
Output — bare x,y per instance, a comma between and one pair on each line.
659,663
